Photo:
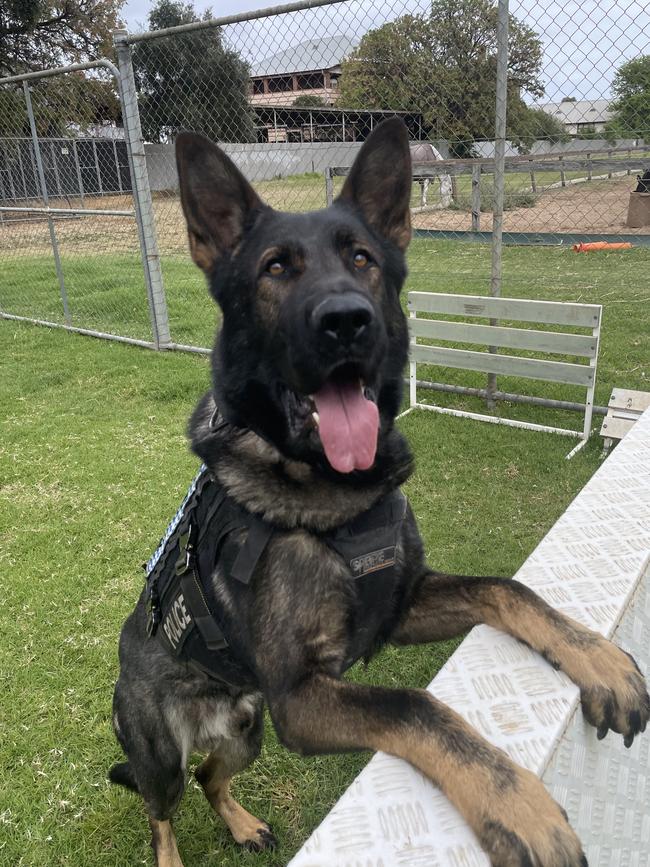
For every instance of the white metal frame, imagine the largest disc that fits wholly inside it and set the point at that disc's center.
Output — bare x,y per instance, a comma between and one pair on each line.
585,345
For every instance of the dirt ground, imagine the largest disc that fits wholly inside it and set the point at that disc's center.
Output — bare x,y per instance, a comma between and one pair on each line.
88,235
598,207
589,208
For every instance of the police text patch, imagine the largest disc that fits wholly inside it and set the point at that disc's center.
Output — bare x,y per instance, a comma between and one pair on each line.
177,623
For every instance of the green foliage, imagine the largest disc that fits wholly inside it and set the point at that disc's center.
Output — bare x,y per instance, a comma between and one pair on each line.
307,101
631,107
527,125
39,33
443,65
191,82
36,34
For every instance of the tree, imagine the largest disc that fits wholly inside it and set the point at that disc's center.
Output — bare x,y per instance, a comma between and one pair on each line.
631,106
35,34
308,101
527,125
443,65
191,81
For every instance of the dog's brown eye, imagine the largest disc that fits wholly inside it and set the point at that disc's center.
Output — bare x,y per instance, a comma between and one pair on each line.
275,268
360,259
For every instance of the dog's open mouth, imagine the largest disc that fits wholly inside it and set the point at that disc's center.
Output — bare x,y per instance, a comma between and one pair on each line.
345,416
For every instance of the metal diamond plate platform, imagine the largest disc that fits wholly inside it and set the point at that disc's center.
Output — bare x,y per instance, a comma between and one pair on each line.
593,566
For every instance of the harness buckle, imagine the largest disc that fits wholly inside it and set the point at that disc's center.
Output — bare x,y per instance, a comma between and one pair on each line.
153,611
185,560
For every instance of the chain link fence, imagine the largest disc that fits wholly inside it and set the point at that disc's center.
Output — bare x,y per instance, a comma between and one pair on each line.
69,244
529,125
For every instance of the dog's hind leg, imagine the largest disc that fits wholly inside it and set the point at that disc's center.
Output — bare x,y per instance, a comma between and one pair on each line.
228,756
163,843
214,775
155,768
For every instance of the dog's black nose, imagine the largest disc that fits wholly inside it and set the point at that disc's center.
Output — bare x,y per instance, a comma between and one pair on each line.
343,319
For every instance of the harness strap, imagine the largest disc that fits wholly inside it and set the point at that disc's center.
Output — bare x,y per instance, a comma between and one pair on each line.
212,530
259,533
204,621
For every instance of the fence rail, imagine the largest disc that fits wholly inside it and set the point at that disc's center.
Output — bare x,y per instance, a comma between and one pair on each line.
568,161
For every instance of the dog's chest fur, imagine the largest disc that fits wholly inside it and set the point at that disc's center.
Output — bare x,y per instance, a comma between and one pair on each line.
301,582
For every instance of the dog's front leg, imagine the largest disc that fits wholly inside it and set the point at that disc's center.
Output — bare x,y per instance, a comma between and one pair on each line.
510,811
613,691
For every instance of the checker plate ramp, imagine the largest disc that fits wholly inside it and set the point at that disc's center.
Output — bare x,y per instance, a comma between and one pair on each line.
593,566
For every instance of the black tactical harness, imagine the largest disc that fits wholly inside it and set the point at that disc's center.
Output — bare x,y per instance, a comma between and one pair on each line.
211,529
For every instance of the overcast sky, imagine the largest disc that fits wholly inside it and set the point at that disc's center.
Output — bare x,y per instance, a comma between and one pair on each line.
135,11
584,40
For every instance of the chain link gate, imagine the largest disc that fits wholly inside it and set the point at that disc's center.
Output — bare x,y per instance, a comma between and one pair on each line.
71,236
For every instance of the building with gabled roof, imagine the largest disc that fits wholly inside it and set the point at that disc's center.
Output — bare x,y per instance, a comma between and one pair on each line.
580,116
311,68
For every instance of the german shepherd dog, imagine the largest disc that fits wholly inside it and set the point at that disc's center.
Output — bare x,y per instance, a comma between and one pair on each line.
307,377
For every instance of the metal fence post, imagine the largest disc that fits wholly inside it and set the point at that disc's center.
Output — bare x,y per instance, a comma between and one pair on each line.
476,197
98,174
78,170
329,186
499,169
46,201
117,167
142,194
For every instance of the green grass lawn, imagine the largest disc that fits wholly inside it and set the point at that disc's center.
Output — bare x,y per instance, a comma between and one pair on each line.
93,463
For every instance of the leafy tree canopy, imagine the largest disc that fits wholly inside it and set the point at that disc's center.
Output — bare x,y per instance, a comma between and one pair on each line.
631,106
307,101
527,125
37,34
191,81
443,65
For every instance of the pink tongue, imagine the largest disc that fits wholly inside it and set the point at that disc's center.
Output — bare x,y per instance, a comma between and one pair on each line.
348,426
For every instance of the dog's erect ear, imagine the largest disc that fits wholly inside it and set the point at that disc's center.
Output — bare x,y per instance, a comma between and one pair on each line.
217,199
379,183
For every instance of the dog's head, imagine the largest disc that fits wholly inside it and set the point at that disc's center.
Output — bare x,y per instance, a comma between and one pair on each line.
314,342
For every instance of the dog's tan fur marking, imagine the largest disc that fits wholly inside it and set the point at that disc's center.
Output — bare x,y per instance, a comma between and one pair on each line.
163,843
525,809
611,686
296,496
501,801
244,827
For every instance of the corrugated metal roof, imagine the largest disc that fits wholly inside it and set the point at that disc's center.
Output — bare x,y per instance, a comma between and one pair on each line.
307,56
580,111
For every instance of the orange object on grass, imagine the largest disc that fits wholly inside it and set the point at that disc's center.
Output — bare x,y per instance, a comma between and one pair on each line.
601,245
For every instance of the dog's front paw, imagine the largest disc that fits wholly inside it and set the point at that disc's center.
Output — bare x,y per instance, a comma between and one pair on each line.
613,691
528,829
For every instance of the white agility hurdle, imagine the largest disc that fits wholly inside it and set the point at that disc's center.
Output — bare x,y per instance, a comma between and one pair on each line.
593,566
585,316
